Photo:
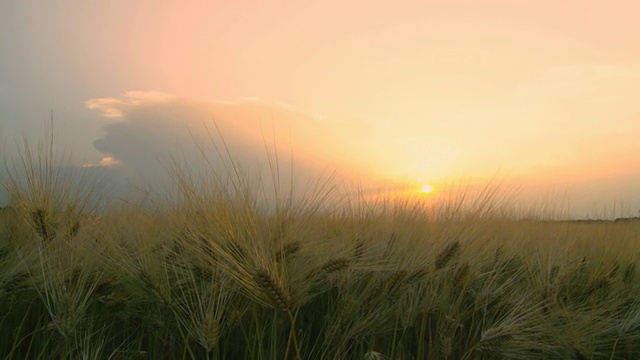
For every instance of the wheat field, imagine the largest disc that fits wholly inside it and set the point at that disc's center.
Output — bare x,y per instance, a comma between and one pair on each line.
209,272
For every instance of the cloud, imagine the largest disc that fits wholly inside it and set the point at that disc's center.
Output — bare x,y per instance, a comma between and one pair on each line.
153,128
105,162
109,107
116,107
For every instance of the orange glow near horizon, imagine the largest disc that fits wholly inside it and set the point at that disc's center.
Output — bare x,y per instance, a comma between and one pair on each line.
536,92
435,97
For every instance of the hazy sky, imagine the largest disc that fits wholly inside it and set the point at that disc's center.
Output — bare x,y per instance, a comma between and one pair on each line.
543,93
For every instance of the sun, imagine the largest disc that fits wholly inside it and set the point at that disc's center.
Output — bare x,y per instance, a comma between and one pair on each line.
426,189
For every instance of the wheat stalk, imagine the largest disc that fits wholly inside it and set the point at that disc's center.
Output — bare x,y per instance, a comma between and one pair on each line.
334,265
274,290
41,225
209,331
417,275
396,281
494,338
461,275
156,289
288,249
447,254
446,346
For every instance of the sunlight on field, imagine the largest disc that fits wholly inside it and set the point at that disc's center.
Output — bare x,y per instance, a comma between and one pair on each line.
320,180
210,273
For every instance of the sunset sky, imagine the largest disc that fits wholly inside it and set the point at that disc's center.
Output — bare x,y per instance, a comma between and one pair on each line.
540,94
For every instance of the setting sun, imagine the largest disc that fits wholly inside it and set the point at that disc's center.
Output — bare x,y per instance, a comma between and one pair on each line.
426,189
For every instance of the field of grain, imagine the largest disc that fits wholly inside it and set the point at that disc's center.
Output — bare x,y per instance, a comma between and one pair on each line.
211,273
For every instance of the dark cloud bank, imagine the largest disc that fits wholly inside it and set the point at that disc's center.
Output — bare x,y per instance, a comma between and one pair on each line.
151,132
151,135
